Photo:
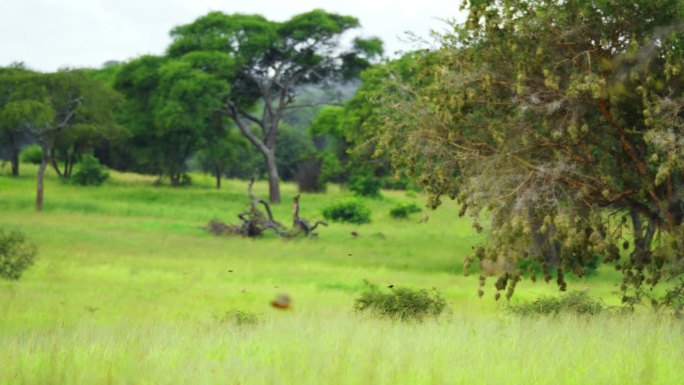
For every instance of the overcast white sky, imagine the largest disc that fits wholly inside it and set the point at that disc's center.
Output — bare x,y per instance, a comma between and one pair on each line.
49,34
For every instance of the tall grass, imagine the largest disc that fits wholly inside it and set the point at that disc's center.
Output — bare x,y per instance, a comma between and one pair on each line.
342,349
128,289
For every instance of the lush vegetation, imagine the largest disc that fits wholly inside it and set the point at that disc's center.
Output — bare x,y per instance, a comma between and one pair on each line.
400,303
129,288
404,210
16,254
348,210
559,124
554,127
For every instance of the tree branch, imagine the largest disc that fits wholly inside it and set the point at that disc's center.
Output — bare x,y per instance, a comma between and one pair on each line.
258,143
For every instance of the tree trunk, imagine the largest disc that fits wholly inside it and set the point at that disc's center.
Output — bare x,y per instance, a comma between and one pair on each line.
273,178
66,166
15,160
217,172
267,149
174,179
41,175
55,166
71,168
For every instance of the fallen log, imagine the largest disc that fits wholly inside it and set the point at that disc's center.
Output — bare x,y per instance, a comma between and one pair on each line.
254,222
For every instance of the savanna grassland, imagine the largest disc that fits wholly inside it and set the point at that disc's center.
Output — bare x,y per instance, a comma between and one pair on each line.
128,289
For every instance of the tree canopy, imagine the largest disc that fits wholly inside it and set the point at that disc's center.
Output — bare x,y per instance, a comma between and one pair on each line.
562,121
272,60
173,104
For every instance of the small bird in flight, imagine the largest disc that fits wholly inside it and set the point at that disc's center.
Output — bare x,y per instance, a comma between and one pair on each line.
282,302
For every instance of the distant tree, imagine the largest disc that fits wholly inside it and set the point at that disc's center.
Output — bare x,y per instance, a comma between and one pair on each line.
12,132
172,105
346,131
564,122
48,105
220,151
274,59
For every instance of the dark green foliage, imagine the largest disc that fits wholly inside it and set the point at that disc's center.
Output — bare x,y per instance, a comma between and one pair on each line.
90,172
172,108
404,210
309,176
16,254
350,210
575,302
293,147
365,185
401,303
32,154
317,170
560,122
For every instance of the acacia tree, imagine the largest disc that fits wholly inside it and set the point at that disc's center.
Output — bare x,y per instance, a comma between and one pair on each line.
272,60
562,120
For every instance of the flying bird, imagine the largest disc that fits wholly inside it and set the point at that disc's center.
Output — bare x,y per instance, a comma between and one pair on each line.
282,302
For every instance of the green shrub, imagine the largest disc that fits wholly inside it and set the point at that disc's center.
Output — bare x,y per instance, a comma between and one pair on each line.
185,180
404,210
239,318
90,172
16,254
350,210
365,185
32,154
401,303
576,302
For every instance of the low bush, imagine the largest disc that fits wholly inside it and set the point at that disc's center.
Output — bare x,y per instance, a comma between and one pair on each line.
350,210
576,302
365,185
16,254
404,210
31,154
90,172
239,318
401,303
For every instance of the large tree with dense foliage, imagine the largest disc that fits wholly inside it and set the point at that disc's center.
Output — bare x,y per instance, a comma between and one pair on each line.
563,122
173,105
273,59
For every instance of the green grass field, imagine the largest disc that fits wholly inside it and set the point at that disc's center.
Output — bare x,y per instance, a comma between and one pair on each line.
128,289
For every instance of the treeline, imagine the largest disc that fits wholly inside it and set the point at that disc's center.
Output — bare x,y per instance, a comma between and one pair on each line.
234,95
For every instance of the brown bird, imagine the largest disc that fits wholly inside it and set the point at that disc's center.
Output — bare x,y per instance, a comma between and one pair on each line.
355,234
282,302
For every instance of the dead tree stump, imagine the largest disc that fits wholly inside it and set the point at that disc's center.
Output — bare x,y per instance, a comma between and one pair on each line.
254,222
